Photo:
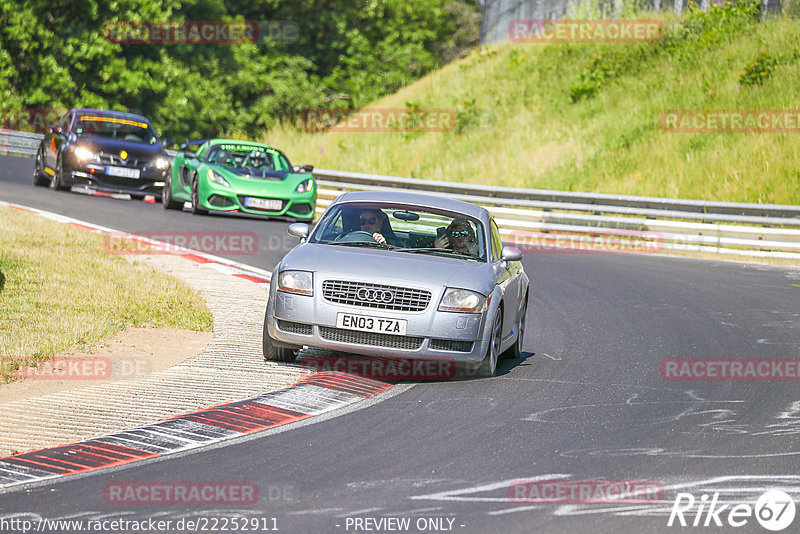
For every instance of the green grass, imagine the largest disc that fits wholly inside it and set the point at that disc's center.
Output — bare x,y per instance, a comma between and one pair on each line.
522,121
60,289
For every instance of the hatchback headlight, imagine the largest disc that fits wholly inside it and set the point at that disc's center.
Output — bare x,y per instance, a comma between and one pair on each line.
161,163
83,153
304,186
300,282
217,178
462,300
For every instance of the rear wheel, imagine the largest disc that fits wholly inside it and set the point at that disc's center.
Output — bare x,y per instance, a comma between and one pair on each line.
273,352
39,177
166,197
488,366
515,350
196,208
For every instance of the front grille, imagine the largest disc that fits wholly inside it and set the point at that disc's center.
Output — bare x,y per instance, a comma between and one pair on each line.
220,201
111,159
449,344
302,209
295,328
404,299
370,338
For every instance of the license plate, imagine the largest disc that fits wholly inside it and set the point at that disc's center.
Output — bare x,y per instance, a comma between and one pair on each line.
270,204
123,172
365,323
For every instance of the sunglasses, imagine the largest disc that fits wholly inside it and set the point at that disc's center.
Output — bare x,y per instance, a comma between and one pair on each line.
371,220
459,233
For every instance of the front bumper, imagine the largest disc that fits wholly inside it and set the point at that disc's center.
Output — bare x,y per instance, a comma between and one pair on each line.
150,181
220,198
311,321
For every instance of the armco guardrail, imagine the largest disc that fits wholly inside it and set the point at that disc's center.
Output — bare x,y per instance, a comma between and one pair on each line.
19,143
530,216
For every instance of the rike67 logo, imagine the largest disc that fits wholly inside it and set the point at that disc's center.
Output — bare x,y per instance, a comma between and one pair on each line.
774,510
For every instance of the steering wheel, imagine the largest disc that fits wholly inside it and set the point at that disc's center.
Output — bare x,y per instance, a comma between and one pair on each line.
357,235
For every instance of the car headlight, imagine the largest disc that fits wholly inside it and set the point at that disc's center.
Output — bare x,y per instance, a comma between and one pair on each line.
304,186
462,300
300,282
161,163
83,153
217,178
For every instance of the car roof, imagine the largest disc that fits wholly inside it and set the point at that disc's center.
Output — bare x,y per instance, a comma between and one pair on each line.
419,199
110,113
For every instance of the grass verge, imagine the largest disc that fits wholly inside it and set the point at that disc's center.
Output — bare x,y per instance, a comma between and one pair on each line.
587,116
60,289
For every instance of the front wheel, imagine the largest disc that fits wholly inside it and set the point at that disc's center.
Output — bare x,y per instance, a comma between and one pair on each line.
196,208
56,183
488,366
273,352
166,197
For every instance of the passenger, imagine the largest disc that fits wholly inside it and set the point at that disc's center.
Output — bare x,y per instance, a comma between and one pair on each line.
459,237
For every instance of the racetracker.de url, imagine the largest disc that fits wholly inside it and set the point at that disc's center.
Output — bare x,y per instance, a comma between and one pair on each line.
193,524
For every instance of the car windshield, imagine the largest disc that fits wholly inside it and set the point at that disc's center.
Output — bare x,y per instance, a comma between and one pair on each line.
403,229
116,128
252,159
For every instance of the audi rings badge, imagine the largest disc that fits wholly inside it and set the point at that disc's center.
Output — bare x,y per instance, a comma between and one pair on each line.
382,296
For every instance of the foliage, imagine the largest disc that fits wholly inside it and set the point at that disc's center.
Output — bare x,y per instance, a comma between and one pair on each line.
54,54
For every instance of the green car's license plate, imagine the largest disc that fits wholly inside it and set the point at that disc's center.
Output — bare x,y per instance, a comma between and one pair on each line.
270,204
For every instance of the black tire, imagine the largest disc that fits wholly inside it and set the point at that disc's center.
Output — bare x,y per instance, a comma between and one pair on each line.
40,179
166,197
488,367
56,184
273,352
196,209
515,351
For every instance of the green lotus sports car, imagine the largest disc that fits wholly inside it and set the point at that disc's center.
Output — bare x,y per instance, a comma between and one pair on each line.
226,175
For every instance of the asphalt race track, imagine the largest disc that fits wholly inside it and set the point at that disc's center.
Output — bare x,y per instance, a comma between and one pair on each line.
586,403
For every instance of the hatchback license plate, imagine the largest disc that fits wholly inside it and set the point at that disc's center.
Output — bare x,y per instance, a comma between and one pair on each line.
364,323
270,204
123,172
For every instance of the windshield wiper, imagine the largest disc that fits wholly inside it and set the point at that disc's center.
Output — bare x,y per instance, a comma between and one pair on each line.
435,250
373,244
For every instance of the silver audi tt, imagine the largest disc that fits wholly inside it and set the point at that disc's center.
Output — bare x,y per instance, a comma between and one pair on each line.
399,275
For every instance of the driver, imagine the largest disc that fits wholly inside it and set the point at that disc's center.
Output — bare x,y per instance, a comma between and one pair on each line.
255,159
376,223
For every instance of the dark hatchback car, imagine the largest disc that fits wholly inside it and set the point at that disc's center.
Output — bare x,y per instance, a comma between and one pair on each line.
106,150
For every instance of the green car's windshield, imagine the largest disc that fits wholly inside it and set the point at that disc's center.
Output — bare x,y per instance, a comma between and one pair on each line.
248,158
403,229
116,128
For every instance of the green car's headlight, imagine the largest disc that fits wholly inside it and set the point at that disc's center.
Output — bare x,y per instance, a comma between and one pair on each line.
299,282
462,300
217,178
304,186
161,163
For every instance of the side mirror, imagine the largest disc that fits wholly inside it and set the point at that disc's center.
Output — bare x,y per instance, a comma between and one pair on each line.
165,142
508,253
56,130
298,230
188,154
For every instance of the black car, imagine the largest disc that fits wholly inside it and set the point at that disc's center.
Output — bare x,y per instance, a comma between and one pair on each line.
106,150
